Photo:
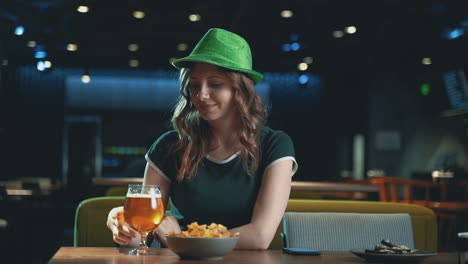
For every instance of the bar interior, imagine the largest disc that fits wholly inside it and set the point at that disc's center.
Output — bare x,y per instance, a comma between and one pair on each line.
372,94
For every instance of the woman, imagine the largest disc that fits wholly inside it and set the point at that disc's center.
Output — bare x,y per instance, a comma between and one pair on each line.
219,164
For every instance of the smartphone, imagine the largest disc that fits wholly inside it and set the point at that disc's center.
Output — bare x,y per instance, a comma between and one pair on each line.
302,251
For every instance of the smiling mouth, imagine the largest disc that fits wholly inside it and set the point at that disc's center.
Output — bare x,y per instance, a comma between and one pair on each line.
207,108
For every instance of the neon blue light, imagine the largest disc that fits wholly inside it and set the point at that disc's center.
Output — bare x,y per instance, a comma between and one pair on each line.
295,46
19,30
303,79
286,47
41,66
40,54
455,33
110,162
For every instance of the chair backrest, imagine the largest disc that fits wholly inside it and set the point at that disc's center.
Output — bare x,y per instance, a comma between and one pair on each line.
117,191
424,222
345,231
304,195
90,221
389,188
91,215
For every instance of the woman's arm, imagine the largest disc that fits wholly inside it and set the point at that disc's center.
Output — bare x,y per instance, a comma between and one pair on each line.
269,208
151,177
169,223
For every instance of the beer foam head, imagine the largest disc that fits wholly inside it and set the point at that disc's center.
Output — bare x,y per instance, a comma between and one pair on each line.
144,195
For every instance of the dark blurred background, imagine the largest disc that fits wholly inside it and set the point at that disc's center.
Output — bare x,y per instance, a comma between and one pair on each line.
362,87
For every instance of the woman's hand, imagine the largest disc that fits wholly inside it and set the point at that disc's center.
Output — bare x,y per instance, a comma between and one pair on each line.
168,224
122,234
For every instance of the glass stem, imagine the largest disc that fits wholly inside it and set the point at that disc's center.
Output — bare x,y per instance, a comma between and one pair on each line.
143,240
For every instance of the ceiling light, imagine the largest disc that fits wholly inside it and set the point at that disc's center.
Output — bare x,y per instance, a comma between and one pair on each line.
138,14
72,47
133,63
287,13
303,79
308,60
456,33
453,33
426,61
85,78
19,30
40,66
133,47
40,54
83,9
302,66
31,44
47,64
350,29
182,47
295,46
338,34
194,17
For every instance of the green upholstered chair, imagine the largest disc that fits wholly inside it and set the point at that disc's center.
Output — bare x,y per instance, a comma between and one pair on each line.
117,191
91,215
423,219
305,195
90,221
335,231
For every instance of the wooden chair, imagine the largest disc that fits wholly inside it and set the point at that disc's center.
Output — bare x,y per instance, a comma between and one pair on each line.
465,186
451,216
389,189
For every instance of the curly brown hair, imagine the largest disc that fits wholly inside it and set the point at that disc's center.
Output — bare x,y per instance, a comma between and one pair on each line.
194,132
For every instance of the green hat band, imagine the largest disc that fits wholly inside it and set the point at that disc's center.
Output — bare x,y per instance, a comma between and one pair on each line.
225,49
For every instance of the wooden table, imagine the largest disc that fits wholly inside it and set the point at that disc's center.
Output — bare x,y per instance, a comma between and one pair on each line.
333,186
84,255
117,181
295,186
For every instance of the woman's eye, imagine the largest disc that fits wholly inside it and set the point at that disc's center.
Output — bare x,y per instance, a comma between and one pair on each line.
193,87
216,85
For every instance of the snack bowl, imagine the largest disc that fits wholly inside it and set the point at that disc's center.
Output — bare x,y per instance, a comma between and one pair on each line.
206,248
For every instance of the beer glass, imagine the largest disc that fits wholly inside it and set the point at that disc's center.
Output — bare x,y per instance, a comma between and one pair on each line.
143,211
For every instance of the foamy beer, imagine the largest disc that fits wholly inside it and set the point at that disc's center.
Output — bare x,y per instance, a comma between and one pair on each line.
144,208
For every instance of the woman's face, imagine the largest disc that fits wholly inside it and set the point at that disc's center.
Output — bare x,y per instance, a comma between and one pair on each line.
212,92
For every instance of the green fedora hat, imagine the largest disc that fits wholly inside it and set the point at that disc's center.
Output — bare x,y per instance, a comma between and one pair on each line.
225,49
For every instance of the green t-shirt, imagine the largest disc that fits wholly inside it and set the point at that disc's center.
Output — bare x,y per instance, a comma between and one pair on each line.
221,191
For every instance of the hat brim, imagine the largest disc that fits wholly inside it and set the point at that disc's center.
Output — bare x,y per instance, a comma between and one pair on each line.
181,63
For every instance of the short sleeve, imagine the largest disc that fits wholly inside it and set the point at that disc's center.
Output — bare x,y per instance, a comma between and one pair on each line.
161,155
278,146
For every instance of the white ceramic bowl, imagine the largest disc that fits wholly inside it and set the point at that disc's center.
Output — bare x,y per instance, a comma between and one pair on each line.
207,248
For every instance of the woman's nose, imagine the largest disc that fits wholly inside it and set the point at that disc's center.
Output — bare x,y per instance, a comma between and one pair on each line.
204,92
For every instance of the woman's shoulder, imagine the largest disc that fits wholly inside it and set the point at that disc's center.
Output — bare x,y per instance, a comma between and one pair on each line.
272,139
167,138
267,134
274,145
171,134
